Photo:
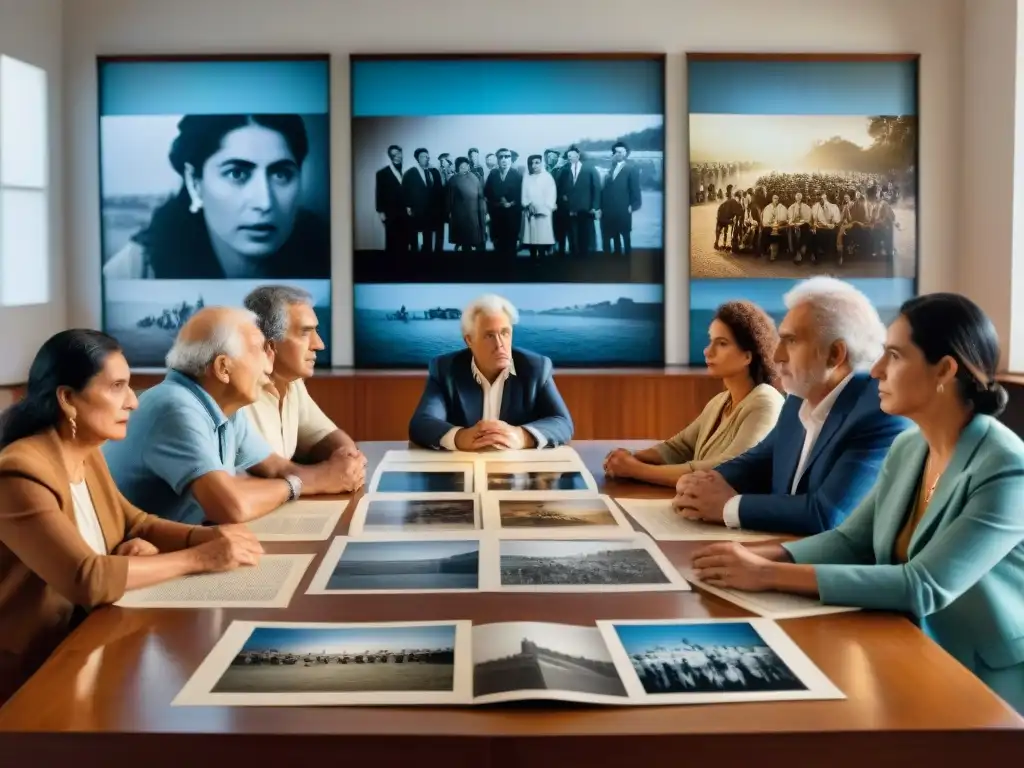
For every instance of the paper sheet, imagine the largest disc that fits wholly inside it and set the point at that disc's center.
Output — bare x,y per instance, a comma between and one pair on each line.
420,514
553,514
303,520
660,520
496,474
771,605
426,477
270,584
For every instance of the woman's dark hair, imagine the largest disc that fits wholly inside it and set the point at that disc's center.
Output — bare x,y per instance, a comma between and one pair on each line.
948,324
68,359
176,242
754,332
459,161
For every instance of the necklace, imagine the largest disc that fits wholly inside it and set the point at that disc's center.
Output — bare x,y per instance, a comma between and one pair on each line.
931,490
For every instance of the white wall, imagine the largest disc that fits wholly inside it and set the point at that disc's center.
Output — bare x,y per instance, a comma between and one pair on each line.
932,28
31,31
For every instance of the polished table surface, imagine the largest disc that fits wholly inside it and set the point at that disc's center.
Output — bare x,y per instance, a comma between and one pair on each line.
104,696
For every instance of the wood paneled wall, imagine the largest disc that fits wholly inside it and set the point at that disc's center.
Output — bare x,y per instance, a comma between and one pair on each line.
605,405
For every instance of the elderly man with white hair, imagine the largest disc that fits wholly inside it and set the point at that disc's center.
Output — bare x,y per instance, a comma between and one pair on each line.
490,395
190,454
828,445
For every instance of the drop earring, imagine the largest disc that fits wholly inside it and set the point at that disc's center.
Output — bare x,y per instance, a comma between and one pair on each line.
195,206
74,427
940,389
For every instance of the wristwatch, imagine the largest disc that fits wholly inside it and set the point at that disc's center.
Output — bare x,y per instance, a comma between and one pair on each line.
294,486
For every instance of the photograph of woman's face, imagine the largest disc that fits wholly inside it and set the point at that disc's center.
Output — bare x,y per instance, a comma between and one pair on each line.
250,193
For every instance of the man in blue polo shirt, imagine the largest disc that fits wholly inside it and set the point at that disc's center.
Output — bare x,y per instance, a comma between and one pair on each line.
190,454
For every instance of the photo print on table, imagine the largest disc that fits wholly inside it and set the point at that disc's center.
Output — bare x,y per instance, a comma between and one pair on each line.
293,664
699,661
393,565
624,564
553,514
557,661
436,477
210,171
533,476
405,514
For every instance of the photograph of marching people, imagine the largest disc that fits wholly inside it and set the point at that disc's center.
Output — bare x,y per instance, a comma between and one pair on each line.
422,478
624,564
321,664
533,476
552,661
397,513
527,169
553,514
800,167
392,564
695,661
222,174
575,324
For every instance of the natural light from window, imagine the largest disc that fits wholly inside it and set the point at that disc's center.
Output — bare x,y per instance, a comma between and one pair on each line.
24,181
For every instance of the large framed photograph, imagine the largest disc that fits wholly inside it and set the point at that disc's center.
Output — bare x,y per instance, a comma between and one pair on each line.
215,178
800,165
479,173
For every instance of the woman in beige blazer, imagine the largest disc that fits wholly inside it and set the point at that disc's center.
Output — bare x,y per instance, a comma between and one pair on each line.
742,344
69,541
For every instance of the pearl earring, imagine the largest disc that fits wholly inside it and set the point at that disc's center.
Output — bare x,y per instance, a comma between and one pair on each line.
195,206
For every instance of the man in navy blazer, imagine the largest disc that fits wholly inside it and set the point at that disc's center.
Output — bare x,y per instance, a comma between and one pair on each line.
490,395
827,447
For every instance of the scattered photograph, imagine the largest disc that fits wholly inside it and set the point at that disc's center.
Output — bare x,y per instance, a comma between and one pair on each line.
391,565
560,179
584,565
553,514
520,657
319,664
713,661
406,514
536,476
575,324
422,478
145,315
803,167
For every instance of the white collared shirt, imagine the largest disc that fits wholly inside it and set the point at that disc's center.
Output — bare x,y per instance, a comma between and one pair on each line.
492,405
813,419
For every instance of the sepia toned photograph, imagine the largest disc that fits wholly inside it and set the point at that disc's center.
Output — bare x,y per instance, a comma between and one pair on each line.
801,167
422,478
582,565
534,476
321,664
380,514
398,565
553,514
555,659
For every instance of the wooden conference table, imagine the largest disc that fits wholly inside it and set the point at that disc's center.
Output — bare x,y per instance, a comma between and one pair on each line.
104,697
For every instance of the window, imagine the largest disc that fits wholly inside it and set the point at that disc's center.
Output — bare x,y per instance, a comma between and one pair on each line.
24,172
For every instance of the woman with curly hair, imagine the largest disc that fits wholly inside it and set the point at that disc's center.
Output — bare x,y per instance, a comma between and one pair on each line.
742,343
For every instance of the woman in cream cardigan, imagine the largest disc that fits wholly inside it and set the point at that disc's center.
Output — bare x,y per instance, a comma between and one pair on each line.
740,350
940,538
69,541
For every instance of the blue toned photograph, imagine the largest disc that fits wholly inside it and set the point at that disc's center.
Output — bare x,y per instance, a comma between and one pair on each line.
524,170
886,294
214,170
801,167
145,315
713,657
407,566
405,481
343,660
575,324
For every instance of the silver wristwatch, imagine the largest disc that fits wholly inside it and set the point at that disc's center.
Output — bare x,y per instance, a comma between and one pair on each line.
294,485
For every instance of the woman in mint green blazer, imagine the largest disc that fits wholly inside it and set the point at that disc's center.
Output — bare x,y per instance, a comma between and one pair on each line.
941,535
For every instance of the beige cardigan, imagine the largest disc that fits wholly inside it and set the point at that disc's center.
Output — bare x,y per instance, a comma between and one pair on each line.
748,424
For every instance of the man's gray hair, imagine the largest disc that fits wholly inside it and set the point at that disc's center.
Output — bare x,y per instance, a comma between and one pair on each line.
194,357
488,304
842,312
271,304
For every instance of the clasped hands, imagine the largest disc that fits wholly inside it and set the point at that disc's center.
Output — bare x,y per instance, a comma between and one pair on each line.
702,496
620,463
350,468
494,434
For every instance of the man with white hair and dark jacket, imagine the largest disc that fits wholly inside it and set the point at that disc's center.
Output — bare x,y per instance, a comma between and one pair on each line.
490,395
827,447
